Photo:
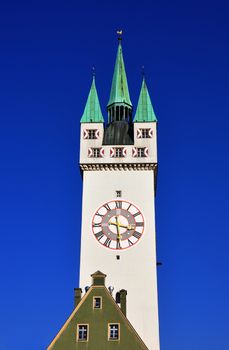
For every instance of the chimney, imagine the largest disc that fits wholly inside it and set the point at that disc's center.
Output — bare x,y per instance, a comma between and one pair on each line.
77,296
123,294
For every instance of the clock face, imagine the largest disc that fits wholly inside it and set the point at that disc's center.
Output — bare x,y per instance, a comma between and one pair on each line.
118,225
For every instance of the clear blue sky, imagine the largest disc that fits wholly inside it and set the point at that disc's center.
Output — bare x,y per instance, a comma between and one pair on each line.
47,49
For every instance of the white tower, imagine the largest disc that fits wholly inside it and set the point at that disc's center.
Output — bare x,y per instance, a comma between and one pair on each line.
119,165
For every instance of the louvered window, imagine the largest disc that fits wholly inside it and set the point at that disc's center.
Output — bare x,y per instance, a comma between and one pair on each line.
95,152
141,152
118,152
92,134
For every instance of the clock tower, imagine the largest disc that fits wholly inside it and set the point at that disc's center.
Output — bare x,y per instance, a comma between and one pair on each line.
118,160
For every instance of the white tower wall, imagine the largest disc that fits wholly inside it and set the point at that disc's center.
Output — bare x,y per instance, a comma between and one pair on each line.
135,270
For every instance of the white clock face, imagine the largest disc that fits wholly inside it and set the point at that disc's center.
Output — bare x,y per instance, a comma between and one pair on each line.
118,225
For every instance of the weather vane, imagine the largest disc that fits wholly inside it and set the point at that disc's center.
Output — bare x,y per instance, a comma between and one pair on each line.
119,32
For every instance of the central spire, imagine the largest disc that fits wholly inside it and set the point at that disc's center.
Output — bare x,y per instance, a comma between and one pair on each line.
119,106
119,88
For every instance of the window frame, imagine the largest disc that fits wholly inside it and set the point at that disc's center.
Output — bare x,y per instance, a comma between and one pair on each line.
118,152
94,303
78,332
109,329
145,133
91,134
141,152
96,152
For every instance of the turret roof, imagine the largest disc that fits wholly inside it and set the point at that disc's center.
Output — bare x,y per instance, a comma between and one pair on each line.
144,112
92,111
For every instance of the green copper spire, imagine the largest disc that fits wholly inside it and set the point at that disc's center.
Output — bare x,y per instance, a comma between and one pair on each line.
92,111
144,112
119,88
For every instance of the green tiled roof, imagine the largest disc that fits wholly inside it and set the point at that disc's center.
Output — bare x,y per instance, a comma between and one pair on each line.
144,112
119,88
92,111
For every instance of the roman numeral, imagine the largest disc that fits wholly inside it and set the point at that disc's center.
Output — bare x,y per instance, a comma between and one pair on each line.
107,242
95,224
98,214
136,214
99,235
118,204
107,207
139,224
129,207
130,243
118,245
137,234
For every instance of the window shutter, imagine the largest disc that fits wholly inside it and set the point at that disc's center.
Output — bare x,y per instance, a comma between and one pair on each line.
134,152
146,151
90,152
112,152
124,151
85,134
101,152
139,133
97,133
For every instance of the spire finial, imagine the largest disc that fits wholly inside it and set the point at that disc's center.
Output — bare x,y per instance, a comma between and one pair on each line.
119,32
143,72
93,72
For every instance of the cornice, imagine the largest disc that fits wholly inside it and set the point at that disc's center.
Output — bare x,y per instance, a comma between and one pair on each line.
118,166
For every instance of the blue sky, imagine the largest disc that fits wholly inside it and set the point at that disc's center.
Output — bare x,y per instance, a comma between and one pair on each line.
47,50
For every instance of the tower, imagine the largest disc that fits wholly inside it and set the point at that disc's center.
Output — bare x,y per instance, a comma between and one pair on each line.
118,160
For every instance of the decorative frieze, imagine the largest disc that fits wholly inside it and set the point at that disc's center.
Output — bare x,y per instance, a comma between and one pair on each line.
115,166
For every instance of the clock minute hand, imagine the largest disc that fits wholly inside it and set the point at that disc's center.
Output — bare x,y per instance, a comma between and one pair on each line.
128,227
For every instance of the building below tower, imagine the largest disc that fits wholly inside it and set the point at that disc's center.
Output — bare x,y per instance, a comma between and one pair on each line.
98,322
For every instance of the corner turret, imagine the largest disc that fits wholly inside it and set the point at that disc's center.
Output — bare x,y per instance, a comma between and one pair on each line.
92,111
144,112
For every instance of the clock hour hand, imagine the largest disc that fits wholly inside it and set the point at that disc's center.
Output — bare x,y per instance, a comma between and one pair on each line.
128,227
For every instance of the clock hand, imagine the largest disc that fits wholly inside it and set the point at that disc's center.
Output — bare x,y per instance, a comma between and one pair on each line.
118,231
128,227
112,223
